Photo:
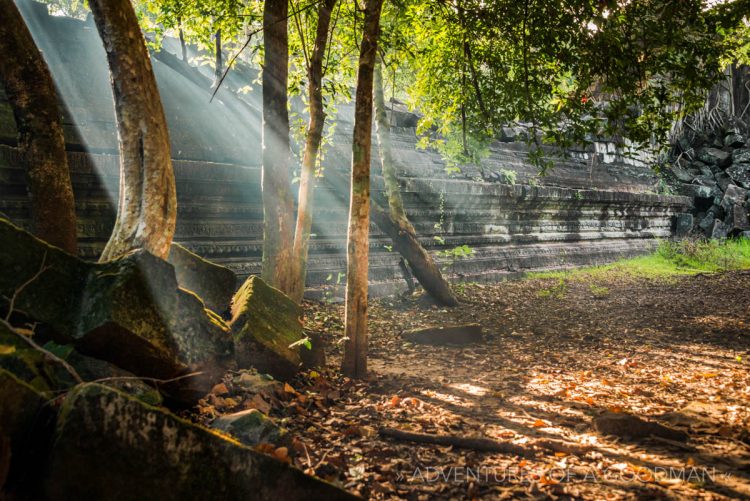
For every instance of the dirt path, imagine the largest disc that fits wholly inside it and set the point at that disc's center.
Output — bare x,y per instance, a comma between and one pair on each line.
555,357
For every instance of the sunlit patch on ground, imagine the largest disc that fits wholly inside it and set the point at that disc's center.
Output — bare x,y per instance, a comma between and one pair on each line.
672,352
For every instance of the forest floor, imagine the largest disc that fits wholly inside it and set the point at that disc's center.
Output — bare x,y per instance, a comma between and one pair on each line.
557,353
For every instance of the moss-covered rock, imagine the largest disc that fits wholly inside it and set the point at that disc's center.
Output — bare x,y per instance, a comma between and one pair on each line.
135,316
129,312
32,366
110,446
25,423
266,328
48,376
213,283
54,297
251,427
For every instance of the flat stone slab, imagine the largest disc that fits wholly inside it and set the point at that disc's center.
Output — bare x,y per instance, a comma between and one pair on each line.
213,283
628,426
447,334
111,446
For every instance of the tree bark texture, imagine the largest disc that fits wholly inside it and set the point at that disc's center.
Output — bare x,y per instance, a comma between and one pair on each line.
354,363
395,222
147,206
312,148
32,96
278,203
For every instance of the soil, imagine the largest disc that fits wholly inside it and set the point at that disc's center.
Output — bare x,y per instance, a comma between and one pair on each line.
555,357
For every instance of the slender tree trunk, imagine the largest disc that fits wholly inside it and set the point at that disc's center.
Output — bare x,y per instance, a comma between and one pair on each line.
399,229
278,204
148,204
312,148
354,363
31,95
218,60
183,45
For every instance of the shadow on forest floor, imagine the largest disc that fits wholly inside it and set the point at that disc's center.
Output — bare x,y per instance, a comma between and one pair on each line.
676,352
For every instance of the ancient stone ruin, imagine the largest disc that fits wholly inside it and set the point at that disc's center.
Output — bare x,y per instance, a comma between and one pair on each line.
596,205
714,169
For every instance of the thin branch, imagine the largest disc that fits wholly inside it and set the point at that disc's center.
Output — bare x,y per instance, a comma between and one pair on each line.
12,300
330,39
303,39
43,351
149,379
247,42
478,443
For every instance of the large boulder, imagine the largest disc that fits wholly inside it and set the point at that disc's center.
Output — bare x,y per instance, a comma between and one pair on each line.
213,283
740,174
707,222
737,219
134,315
734,140
714,156
129,312
683,224
681,173
267,329
733,195
47,374
109,446
741,155
51,279
252,428
720,230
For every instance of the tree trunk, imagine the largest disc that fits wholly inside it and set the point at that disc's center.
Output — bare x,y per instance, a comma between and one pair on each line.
312,147
183,46
399,229
147,207
278,204
32,96
218,60
354,363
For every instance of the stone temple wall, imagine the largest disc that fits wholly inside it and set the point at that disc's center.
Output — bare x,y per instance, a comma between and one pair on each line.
592,208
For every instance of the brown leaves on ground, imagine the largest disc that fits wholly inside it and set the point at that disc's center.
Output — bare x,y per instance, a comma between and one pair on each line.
670,353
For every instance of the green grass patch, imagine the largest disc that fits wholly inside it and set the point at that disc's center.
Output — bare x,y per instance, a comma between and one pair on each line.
671,259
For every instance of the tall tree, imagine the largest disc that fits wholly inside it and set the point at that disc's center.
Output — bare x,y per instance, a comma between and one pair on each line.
147,206
401,231
354,363
278,203
218,59
32,96
312,147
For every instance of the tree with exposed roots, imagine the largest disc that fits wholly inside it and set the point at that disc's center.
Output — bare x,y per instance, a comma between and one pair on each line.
41,144
147,206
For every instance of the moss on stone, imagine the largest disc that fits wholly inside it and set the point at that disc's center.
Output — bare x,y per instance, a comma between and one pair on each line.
110,446
265,326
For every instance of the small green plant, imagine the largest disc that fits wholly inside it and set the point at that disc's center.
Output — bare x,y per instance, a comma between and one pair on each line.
578,195
454,254
508,176
305,341
663,187
598,291
555,292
